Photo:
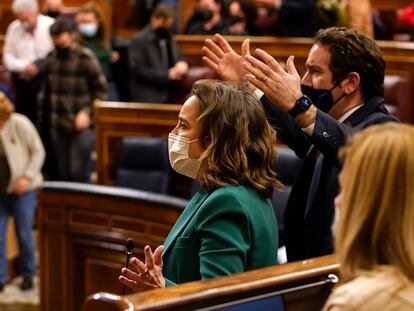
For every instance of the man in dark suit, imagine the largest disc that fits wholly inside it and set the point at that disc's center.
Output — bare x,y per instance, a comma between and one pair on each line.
154,59
295,18
340,93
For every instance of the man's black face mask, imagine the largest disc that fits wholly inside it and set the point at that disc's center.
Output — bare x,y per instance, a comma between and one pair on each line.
52,13
163,32
203,15
321,98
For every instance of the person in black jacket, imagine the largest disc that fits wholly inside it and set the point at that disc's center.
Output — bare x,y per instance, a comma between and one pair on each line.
295,18
340,93
155,60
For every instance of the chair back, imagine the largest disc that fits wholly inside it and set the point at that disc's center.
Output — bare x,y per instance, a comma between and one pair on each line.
144,164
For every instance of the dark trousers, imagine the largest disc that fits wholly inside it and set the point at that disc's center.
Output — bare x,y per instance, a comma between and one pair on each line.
26,95
73,154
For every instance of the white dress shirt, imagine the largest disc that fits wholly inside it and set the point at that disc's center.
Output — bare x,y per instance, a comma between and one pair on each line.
22,48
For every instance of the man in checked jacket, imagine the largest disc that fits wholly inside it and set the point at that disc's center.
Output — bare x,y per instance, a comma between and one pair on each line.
73,81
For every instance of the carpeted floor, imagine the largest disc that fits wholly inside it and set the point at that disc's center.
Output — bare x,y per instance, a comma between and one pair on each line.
14,299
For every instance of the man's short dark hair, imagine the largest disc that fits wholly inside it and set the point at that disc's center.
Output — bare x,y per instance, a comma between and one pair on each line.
60,26
163,11
352,51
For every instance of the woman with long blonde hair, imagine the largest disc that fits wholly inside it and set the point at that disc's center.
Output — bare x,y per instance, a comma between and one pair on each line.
375,233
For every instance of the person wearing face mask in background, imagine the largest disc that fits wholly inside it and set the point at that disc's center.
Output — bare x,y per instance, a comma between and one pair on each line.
52,8
206,19
73,81
27,42
155,60
94,34
224,141
340,93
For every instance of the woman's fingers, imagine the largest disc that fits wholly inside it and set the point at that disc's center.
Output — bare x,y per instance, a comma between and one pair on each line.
149,258
138,265
158,256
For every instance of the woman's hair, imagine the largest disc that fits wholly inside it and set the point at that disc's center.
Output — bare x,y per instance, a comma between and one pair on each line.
376,225
103,30
240,143
6,107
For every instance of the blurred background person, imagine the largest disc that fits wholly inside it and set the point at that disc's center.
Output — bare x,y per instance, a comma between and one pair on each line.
207,19
374,238
93,32
52,8
295,18
73,81
241,16
359,15
155,60
21,158
26,44
222,140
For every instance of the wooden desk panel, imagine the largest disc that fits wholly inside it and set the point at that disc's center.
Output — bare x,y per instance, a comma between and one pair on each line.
83,229
292,280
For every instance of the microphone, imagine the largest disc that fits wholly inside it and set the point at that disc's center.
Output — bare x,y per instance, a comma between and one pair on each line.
128,251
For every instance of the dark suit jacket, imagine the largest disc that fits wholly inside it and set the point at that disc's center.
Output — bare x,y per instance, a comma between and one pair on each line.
231,230
298,18
149,76
308,225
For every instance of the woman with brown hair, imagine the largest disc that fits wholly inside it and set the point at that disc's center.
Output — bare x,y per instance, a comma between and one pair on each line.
375,233
224,141
93,32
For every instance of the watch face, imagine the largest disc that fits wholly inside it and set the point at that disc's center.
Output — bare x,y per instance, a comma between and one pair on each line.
305,102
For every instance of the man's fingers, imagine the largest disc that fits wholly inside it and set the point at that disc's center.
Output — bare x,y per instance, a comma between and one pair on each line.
212,56
214,48
290,64
245,47
256,67
256,82
224,45
269,60
210,63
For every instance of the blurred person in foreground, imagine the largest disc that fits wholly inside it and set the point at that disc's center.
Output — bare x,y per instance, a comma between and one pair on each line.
222,140
21,159
340,93
374,235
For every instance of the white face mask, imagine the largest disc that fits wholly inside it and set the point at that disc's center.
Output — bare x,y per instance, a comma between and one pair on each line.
178,153
88,29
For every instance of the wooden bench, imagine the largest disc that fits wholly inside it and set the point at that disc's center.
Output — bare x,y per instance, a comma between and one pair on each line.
83,229
295,286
